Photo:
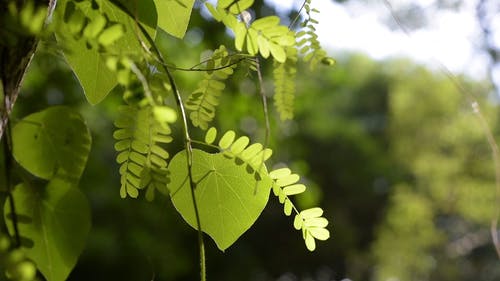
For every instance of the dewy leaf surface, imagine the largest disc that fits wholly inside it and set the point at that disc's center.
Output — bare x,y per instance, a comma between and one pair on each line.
55,140
56,221
174,15
226,194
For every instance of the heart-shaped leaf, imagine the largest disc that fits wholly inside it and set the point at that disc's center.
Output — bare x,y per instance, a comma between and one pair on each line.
174,15
229,198
55,140
54,222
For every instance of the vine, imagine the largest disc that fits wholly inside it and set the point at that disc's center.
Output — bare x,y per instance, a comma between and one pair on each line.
110,47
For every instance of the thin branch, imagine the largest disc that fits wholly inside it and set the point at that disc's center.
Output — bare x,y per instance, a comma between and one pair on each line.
7,149
298,15
482,121
187,138
262,92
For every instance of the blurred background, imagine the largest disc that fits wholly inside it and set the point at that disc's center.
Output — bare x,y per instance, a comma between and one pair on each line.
387,143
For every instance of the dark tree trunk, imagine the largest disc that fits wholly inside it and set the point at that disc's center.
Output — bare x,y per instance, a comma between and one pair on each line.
16,53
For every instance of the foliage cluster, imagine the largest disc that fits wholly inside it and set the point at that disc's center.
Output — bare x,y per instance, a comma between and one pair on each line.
219,189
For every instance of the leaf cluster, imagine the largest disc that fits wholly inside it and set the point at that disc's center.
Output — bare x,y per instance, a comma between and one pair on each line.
203,101
143,162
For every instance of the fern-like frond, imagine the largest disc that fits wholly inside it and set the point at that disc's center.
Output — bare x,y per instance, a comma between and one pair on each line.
203,101
308,43
311,221
265,35
284,84
253,155
85,20
143,162
285,184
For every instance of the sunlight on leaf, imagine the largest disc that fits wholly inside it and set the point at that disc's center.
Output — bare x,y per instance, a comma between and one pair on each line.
58,225
225,195
53,141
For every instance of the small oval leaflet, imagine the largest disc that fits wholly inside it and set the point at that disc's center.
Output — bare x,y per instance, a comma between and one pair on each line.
312,213
239,6
95,26
319,233
251,151
316,222
298,221
279,173
227,139
240,144
288,207
309,239
287,180
111,34
211,135
164,114
294,189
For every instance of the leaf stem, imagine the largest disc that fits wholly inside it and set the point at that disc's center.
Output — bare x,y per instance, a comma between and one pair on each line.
262,92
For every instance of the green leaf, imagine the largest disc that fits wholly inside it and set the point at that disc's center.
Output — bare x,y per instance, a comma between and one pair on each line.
297,222
174,15
266,22
89,64
229,198
111,34
278,52
57,222
52,141
319,233
280,173
240,5
311,213
145,13
316,222
309,239
240,144
227,139
211,135
287,180
294,189
240,34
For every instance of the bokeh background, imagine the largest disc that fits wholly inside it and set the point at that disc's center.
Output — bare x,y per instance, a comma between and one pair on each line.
387,143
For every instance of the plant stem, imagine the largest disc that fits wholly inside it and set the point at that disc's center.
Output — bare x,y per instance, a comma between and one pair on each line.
187,138
7,149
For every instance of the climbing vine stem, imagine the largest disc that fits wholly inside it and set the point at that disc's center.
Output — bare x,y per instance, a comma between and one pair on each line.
8,163
187,138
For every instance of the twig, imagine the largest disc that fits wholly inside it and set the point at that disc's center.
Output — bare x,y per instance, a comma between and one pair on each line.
298,15
7,149
187,138
262,92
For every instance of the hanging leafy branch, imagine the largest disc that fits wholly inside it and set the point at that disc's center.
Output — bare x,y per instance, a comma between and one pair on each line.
284,84
310,221
110,46
203,101
308,43
142,160
284,184
265,35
